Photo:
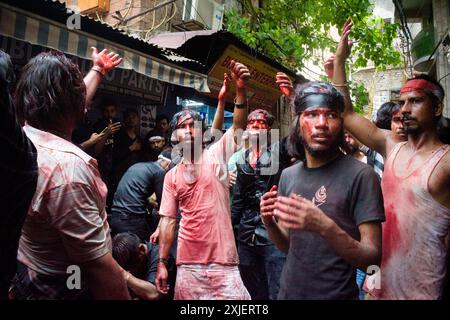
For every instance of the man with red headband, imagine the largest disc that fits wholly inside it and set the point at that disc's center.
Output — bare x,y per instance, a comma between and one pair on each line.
258,168
207,260
416,188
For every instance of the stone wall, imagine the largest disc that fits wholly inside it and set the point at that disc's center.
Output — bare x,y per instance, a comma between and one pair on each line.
381,85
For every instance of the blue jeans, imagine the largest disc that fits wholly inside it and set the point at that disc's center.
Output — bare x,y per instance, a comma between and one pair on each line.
360,277
260,268
134,223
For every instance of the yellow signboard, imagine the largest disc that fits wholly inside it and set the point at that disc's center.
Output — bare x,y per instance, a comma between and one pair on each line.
262,90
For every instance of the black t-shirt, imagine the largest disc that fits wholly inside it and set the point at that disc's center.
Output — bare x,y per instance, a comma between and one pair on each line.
347,191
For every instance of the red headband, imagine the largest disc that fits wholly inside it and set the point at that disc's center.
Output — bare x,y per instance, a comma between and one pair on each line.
418,84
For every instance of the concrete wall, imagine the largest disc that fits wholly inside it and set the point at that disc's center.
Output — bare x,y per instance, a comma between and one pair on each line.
146,22
380,85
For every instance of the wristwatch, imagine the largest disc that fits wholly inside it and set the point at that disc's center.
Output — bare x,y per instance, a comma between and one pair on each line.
240,105
99,70
164,261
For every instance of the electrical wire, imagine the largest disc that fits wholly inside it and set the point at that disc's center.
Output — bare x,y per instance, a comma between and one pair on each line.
128,9
165,20
146,37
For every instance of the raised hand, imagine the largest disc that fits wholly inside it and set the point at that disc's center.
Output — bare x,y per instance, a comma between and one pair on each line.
240,74
110,129
225,88
104,60
284,83
328,65
345,46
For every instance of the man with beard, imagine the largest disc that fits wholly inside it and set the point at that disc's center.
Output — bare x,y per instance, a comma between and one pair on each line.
258,168
327,212
352,148
416,188
207,259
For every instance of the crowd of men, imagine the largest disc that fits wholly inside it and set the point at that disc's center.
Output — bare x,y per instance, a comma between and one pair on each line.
341,208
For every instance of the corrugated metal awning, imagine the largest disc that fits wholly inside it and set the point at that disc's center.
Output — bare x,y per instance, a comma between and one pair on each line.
38,30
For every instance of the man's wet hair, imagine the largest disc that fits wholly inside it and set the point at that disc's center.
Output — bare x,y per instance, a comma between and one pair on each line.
384,115
126,249
7,69
269,117
50,89
174,123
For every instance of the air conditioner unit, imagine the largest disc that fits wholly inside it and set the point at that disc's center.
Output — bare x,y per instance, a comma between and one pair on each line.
208,13
88,6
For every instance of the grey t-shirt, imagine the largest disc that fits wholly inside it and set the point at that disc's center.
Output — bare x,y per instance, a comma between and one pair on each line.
349,192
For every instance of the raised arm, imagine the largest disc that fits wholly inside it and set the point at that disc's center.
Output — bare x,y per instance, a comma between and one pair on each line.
285,84
218,117
363,130
103,62
240,75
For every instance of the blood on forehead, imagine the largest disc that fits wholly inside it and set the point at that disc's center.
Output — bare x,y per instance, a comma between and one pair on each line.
257,116
183,117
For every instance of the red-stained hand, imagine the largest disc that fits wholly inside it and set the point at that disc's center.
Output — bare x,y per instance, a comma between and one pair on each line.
296,212
240,74
328,65
284,83
267,205
155,236
161,278
225,88
345,46
106,61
